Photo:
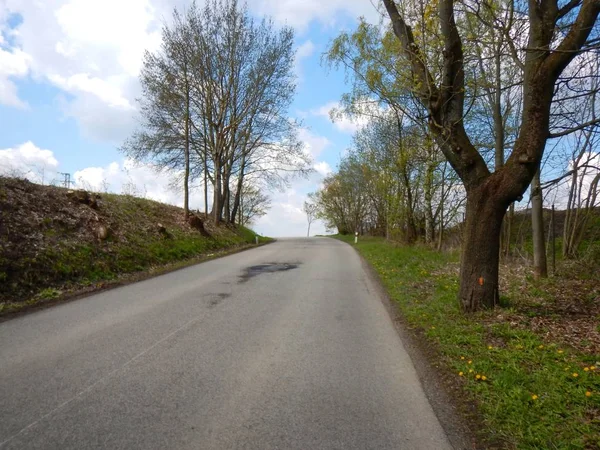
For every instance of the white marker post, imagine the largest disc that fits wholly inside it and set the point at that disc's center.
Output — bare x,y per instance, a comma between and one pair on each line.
356,237
256,240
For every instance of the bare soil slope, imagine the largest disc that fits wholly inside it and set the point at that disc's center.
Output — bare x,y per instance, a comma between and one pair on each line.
52,238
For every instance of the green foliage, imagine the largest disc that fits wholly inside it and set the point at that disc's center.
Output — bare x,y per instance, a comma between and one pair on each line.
530,397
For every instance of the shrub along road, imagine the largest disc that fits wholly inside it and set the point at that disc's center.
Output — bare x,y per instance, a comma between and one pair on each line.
284,346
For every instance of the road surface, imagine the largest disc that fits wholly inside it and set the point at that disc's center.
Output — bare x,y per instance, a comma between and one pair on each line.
286,346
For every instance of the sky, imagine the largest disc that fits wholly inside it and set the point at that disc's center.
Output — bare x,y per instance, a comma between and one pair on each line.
69,82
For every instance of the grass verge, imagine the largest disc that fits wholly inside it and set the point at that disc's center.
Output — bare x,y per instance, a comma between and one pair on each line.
78,289
530,392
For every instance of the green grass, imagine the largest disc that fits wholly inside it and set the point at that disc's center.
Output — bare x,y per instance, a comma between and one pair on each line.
68,269
530,398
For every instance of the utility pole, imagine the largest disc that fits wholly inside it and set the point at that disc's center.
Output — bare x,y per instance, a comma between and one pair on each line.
67,179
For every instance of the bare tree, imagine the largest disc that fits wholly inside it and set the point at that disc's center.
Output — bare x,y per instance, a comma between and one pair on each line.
310,209
215,102
254,203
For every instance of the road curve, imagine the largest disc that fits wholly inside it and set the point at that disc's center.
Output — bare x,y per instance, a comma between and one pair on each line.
286,346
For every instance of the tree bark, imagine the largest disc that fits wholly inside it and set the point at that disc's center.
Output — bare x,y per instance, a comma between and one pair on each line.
429,221
238,191
480,251
508,229
217,199
186,175
540,268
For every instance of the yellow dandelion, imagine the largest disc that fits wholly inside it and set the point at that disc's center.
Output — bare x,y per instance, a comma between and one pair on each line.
588,394
592,367
460,374
490,347
559,352
478,376
534,397
483,377
469,362
462,357
541,347
575,375
470,370
586,369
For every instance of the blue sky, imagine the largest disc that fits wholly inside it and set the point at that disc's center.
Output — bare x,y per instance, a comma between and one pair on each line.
68,83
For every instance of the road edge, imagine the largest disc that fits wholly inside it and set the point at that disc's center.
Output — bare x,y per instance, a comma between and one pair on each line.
125,280
435,386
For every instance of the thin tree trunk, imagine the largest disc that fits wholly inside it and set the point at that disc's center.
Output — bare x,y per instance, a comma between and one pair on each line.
540,267
217,206
205,183
238,191
186,176
429,225
569,216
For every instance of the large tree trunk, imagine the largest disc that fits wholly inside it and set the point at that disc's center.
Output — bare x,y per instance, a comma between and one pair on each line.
540,268
480,251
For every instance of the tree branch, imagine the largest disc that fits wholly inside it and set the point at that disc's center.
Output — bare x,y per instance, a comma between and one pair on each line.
575,38
572,130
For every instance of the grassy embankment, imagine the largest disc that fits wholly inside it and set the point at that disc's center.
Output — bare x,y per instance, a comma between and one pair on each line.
52,245
530,367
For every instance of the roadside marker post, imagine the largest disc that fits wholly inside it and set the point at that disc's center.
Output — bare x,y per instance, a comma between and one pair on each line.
356,237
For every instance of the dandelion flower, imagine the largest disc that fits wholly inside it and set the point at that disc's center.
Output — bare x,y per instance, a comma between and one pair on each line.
460,374
478,376
592,367
534,397
469,362
541,347
559,352
586,369
575,375
490,347
462,357
470,370
483,377
588,394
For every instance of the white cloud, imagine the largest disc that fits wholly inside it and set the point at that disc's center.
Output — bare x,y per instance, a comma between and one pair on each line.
15,64
314,145
104,90
142,180
29,161
323,168
95,47
342,122
90,49
300,13
286,217
303,52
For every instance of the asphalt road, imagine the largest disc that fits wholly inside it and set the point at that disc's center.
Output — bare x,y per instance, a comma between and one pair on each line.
286,346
